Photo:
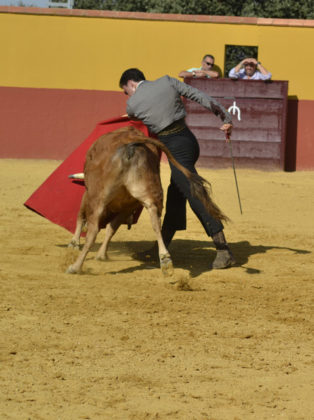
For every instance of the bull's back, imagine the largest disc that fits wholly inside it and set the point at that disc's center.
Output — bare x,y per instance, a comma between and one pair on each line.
102,159
105,146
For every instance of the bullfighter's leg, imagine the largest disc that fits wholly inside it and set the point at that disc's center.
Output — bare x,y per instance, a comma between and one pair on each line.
111,229
164,256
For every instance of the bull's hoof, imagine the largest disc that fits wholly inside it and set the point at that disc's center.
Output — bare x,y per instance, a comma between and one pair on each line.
224,259
74,244
166,265
72,270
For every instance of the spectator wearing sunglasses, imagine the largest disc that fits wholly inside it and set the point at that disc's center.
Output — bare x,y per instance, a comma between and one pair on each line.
206,69
249,69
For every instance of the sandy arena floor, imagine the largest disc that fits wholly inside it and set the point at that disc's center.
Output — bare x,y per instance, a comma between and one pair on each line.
121,342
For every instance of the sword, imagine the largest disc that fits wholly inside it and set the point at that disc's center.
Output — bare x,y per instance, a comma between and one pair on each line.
234,171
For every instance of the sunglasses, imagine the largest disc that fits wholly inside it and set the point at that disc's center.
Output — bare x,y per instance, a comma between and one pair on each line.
209,64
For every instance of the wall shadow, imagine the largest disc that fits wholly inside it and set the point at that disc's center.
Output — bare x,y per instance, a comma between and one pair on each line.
291,134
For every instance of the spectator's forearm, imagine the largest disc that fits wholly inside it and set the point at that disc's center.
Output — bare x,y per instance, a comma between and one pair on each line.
233,74
262,69
212,74
238,67
184,74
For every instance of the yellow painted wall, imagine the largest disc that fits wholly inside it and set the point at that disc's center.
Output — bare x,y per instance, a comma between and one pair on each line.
71,52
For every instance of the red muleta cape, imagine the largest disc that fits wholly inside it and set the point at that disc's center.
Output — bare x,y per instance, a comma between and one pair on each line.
58,199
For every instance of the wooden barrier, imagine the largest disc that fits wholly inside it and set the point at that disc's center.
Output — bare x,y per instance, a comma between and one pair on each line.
259,112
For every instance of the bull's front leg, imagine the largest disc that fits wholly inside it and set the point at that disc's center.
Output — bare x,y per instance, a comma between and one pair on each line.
92,231
80,221
164,256
75,241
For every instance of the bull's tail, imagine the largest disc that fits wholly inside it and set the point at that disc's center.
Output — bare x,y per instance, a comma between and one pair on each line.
200,187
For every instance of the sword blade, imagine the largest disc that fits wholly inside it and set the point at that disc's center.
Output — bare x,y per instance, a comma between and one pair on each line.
234,172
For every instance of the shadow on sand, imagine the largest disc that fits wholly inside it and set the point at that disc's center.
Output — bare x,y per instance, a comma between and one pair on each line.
193,256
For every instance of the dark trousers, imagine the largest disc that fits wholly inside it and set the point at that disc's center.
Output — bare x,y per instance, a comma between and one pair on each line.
185,149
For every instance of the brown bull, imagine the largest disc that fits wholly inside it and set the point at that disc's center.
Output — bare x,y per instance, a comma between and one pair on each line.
122,174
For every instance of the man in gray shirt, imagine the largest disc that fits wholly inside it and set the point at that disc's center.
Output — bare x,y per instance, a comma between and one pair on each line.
159,106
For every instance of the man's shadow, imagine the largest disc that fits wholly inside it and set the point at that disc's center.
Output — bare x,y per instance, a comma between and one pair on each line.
193,256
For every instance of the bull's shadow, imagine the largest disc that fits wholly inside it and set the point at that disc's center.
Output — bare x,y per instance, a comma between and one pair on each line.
193,256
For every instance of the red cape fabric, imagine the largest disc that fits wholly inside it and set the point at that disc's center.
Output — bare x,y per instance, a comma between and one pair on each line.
58,199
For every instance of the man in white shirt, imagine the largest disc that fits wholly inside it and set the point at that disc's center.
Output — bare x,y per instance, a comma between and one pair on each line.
249,69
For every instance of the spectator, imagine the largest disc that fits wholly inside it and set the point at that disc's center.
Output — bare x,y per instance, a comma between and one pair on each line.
249,69
206,69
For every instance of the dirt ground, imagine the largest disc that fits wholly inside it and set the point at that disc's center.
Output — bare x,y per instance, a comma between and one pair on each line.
121,342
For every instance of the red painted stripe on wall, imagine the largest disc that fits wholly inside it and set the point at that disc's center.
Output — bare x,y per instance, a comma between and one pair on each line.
51,123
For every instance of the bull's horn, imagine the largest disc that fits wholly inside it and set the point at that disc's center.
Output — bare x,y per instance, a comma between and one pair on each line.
77,176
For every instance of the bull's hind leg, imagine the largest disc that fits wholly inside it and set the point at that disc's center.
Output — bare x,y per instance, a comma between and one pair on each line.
111,229
164,256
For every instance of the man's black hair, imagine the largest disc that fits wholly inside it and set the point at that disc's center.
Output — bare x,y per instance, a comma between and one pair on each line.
131,74
210,56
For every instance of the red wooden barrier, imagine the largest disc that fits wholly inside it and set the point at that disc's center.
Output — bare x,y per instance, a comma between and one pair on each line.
259,112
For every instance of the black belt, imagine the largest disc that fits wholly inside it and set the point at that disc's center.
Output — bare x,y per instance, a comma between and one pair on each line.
173,128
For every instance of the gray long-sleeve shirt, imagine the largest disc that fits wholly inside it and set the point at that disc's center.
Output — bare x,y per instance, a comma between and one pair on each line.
158,104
